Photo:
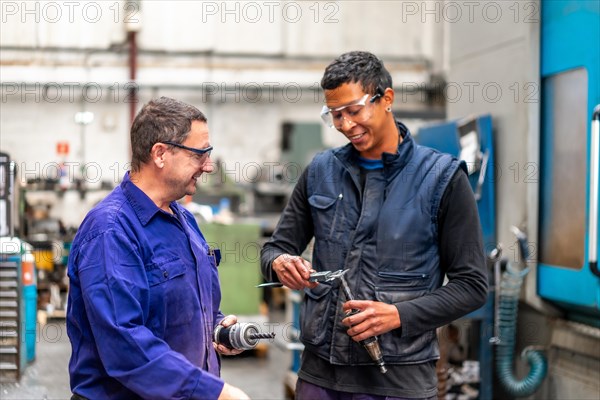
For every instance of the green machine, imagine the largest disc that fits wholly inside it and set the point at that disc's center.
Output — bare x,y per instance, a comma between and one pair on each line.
300,143
239,271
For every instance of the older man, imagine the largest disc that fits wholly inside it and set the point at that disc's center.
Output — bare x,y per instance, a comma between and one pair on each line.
144,296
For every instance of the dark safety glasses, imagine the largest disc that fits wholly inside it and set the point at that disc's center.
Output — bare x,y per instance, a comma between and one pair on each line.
202,154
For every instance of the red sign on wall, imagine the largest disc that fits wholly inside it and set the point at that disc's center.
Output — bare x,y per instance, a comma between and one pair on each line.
62,148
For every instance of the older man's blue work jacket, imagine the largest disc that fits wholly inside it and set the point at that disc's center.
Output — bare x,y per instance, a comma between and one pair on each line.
143,301
384,231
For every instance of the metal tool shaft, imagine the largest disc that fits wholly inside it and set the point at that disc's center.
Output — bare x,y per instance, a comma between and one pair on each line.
370,344
346,288
254,336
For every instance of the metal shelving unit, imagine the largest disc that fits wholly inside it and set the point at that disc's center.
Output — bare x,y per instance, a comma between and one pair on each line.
11,311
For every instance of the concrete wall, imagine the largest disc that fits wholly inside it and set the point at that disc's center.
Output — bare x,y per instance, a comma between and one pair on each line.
494,68
249,27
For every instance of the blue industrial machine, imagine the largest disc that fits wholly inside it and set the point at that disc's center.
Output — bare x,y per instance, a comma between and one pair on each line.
568,233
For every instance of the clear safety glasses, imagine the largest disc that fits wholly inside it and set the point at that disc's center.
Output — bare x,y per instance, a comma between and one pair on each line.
357,112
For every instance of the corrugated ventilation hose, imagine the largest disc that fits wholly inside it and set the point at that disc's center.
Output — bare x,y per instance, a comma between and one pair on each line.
510,288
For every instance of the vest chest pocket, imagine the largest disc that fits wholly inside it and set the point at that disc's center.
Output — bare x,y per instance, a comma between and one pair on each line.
314,314
326,214
395,287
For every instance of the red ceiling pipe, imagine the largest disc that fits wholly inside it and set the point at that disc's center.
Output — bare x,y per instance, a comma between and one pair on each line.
133,98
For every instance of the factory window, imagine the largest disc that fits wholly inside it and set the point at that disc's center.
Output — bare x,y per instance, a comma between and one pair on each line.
563,169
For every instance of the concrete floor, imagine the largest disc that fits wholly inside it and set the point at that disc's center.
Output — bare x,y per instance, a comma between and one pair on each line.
47,377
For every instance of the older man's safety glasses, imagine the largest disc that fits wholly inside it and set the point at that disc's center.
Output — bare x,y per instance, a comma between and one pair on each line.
357,112
201,154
